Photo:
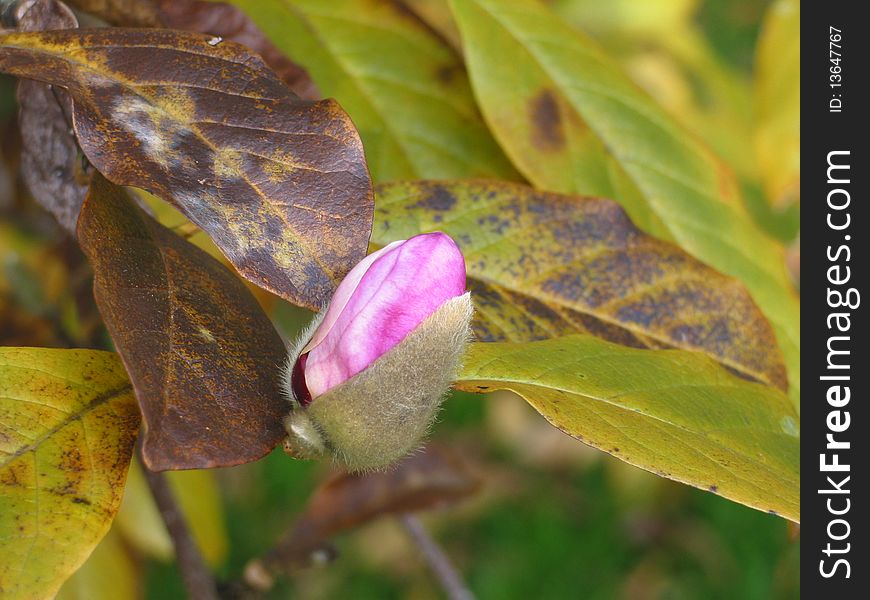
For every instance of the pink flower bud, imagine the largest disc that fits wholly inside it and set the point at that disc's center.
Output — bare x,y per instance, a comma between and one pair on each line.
367,381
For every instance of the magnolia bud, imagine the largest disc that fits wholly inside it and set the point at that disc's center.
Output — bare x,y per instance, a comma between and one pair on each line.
368,376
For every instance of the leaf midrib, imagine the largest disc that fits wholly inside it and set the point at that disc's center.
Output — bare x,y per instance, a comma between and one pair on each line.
667,426
71,418
609,400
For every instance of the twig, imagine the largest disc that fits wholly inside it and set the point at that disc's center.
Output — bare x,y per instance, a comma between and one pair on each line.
437,560
197,578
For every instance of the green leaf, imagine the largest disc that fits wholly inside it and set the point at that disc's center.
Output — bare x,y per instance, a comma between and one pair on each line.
662,47
573,122
778,103
719,102
543,265
436,14
620,17
405,89
674,413
68,421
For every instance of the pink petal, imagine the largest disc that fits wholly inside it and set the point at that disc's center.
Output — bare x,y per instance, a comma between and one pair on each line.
343,293
394,290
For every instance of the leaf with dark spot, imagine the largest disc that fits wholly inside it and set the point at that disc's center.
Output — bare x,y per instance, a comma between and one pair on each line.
51,162
280,184
426,480
674,413
203,357
547,133
572,121
543,265
68,421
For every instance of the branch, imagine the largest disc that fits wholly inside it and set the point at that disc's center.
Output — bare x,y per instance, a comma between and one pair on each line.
197,578
437,560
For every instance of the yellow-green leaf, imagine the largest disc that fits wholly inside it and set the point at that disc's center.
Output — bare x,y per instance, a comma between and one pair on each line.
436,14
405,89
778,103
110,573
674,413
720,97
198,497
650,17
68,421
543,265
572,121
663,49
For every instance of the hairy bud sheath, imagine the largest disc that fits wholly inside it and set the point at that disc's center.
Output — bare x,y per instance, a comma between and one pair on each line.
368,376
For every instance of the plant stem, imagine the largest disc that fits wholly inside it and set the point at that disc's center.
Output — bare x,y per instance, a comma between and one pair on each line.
197,578
438,561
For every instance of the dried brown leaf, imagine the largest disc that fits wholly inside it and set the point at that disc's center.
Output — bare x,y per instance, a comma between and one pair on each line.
215,18
230,23
280,184
203,357
51,163
422,481
131,13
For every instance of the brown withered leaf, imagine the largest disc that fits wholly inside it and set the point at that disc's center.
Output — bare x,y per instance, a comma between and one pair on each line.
423,481
203,357
215,18
280,184
229,22
131,13
544,265
51,163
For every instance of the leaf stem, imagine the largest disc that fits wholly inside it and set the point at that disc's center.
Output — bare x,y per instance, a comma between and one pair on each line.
440,564
197,578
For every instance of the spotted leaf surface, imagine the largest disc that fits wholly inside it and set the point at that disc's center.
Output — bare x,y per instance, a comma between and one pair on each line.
280,184
202,355
543,265
572,121
68,421
674,413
